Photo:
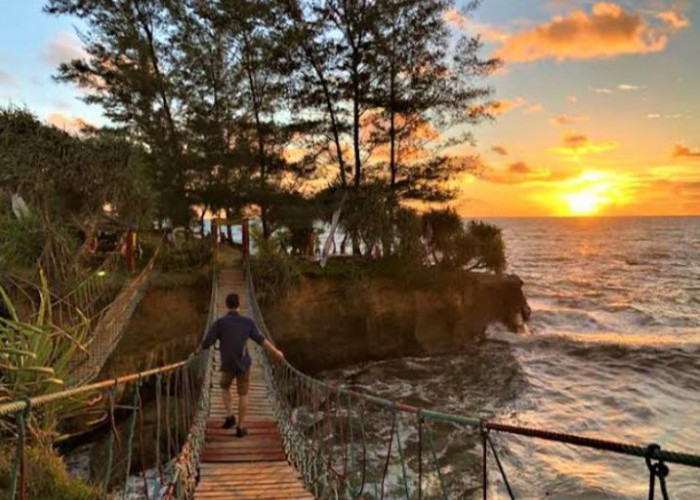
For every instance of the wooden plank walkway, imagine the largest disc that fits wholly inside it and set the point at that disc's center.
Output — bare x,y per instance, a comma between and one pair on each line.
254,467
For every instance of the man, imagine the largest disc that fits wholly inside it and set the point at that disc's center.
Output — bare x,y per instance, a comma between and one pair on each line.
233,331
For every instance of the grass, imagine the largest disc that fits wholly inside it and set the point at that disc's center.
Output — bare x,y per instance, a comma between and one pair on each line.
47,477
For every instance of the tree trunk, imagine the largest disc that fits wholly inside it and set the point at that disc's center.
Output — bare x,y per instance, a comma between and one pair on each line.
356,130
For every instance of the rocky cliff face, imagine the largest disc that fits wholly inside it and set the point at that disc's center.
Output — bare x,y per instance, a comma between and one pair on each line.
328,322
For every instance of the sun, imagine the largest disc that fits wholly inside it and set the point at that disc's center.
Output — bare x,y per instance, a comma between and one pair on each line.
590,194
586,202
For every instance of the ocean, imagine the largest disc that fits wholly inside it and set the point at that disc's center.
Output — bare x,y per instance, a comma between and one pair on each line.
612,351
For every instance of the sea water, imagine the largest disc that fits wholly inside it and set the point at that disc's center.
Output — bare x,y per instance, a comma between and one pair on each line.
612,352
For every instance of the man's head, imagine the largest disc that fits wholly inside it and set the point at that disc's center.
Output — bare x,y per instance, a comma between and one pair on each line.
232,301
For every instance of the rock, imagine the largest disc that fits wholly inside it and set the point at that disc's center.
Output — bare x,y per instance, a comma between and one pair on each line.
329,322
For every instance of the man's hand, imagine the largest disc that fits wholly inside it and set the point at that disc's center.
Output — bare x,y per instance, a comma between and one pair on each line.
279,354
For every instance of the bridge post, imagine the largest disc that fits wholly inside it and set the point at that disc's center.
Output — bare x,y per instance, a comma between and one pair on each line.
215,236
130,246
245,239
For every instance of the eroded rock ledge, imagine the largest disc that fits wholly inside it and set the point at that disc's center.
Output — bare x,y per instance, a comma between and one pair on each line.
329,321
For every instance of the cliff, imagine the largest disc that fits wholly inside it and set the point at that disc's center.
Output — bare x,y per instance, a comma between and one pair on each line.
329,322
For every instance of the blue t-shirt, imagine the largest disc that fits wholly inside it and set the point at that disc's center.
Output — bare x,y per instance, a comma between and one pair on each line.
233,331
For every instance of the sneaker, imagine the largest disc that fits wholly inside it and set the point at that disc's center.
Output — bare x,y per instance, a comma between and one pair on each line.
229,422
241,432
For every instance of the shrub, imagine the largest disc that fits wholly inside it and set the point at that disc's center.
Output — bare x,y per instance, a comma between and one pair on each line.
478,246
190,254
21,240
47,477
36,357
273,275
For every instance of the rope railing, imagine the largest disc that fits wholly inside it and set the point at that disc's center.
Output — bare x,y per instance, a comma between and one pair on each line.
109,324
320,421
175,398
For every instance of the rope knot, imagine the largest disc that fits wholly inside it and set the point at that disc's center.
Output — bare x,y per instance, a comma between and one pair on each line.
656,470
483,429
27,405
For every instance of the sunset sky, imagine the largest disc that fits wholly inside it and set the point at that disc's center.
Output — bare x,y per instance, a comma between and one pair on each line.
599,102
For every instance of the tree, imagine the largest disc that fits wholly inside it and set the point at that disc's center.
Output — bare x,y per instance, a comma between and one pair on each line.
67,180
478,246
131,73
428,83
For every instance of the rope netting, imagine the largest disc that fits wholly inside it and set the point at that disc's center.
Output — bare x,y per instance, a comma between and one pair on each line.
109,321
156,421
350,444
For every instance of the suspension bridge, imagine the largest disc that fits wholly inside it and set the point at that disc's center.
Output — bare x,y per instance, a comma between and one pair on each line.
308,438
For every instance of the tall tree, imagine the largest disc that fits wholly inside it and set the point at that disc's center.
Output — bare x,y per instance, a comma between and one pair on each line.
130,72
429,82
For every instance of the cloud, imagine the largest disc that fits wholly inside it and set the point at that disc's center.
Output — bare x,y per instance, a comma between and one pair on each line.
606,31
5,77
534,109
64,47
71,125
565,120
504,106
627,87
520,168
459,21
501,150
572,99
681,151
601,90
575,140
577,145
522,173
674,116
675,20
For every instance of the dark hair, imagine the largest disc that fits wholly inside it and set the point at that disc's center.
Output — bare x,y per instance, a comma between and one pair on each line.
232,301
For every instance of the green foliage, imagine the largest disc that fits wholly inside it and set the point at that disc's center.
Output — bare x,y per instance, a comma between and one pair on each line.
190,254
71,177
36,356
478,246
47,477
369,215
409,247
21,240
273,274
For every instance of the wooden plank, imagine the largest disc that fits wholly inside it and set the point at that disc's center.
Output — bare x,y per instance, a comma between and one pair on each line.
254,467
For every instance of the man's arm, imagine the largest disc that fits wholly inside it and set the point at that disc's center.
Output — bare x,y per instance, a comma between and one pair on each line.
267,345
273,350
210,337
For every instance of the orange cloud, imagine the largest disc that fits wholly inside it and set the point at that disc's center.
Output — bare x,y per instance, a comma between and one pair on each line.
564,120
680,151
501,150
520,168
534,109
675,20
71,125
505,106
459,21
522,173
577,145
607,31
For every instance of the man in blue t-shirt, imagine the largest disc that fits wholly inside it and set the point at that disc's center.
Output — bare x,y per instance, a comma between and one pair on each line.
233,331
